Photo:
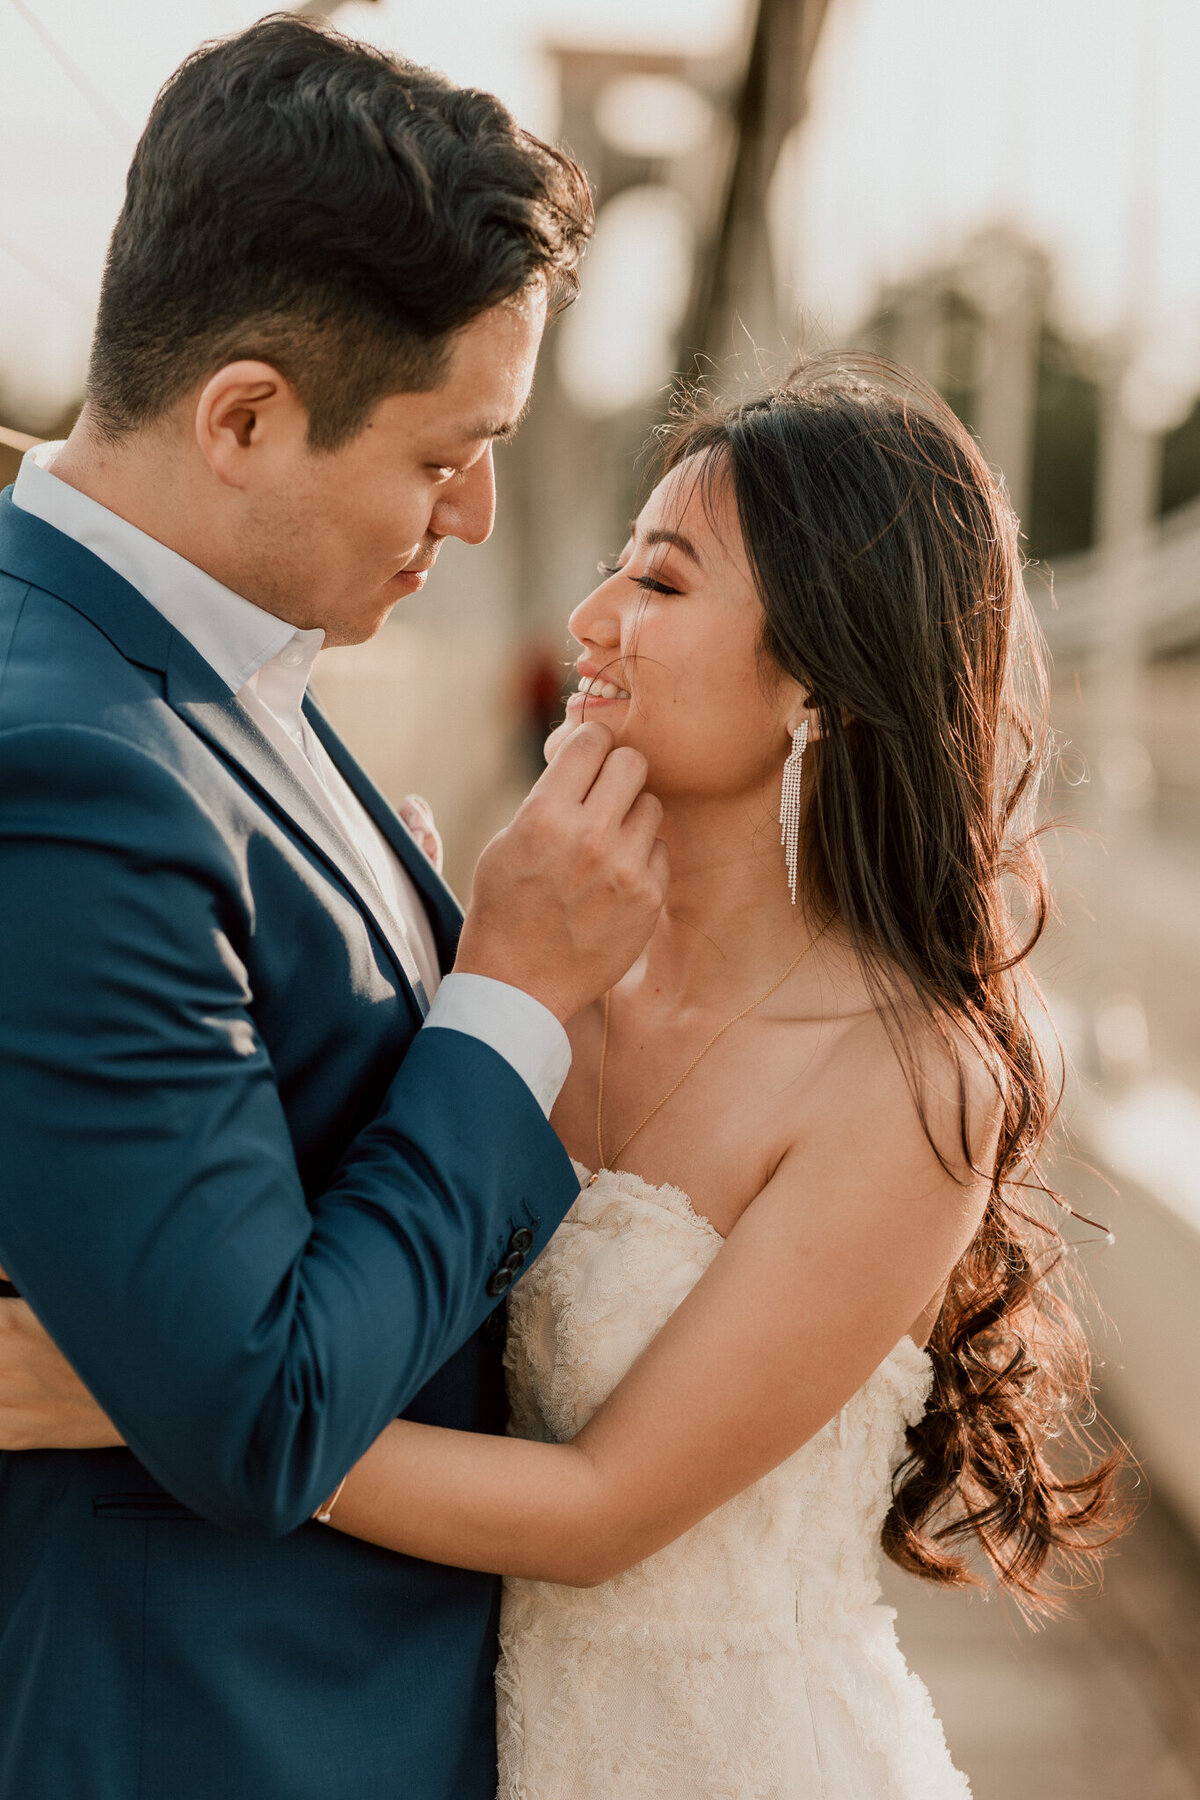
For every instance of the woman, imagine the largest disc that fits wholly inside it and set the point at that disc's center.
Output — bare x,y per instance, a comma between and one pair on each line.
799,1306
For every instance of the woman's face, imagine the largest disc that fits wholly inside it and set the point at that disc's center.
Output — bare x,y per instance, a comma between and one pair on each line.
675,628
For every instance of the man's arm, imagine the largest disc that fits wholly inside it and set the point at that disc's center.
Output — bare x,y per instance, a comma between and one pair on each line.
247,1344
819,1280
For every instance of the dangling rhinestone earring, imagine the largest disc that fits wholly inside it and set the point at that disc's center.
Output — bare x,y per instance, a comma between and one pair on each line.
789,806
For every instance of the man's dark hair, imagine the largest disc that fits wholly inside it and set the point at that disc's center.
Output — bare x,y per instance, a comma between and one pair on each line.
310,201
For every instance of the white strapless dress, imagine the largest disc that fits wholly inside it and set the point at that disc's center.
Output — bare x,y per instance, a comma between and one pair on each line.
751,1659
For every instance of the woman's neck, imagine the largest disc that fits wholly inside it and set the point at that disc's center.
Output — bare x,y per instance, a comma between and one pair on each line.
728,925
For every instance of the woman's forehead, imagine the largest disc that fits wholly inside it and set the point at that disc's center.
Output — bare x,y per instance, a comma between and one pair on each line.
695,500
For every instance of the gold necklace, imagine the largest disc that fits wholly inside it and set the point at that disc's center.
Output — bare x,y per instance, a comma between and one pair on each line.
753,1006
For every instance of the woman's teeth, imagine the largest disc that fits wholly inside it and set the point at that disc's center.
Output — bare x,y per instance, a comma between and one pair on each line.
601,690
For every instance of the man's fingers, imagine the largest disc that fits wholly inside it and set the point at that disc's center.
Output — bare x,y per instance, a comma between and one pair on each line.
617,785
577,763
557,739
642,821
660,868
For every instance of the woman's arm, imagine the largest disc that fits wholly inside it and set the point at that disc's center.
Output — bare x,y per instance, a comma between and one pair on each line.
43,1403
820,1278
818,1281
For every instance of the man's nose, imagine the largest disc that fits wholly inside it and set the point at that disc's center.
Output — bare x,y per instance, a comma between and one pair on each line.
469,511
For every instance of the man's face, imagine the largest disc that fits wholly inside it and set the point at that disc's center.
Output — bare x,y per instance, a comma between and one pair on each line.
335,538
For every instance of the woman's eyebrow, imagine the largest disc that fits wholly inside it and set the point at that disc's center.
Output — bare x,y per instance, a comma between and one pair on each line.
668,537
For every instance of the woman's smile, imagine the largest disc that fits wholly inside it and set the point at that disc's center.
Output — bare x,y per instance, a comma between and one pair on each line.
594,691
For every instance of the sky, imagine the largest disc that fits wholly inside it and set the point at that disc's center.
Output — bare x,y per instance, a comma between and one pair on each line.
64,155
1075,120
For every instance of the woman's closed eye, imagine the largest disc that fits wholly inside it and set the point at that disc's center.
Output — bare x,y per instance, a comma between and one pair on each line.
650,582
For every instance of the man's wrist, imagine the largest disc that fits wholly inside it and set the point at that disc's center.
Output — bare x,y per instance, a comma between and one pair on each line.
514,1023
533,989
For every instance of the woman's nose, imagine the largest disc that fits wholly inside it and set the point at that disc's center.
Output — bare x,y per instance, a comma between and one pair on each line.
597,620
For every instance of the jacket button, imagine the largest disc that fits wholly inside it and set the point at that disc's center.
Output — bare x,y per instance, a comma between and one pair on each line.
494,1326
522,1240
514,1262
499,1281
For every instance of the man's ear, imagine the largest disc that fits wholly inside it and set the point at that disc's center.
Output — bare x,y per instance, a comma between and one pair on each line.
245,415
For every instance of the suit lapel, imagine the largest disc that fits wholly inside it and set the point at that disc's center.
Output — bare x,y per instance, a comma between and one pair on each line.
35,552
196,692
445,913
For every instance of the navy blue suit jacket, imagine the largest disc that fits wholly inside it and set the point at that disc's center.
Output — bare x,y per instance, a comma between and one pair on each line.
259,1211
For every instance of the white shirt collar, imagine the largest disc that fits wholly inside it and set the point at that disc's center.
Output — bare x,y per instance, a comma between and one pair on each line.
235,637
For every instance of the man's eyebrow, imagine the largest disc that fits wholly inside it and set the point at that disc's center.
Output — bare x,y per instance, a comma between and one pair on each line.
669,537
490,428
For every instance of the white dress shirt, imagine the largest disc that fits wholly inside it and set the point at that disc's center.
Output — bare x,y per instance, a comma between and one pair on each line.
266,664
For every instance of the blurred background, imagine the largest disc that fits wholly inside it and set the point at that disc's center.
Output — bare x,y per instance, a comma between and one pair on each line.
1007,198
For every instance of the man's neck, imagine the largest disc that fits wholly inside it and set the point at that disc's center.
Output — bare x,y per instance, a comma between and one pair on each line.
136,478
147,478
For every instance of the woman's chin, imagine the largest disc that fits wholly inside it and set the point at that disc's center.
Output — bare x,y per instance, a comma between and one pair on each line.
612,713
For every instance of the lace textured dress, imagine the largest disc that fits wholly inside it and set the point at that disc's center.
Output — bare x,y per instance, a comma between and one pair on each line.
750,1659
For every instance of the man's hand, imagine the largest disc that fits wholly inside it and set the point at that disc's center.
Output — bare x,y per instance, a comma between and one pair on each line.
566,897
43,1403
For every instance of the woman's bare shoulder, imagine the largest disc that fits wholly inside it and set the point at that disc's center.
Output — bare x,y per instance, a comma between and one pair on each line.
919,1077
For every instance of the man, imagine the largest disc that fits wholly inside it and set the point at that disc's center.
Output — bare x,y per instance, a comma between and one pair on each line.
259,1189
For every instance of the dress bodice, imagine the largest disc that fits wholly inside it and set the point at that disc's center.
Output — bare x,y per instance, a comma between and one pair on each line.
754,1642
626,1256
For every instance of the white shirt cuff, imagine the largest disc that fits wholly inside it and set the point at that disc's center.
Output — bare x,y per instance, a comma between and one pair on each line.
515,1025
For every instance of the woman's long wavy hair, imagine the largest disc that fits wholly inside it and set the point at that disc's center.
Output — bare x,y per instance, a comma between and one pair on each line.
886,558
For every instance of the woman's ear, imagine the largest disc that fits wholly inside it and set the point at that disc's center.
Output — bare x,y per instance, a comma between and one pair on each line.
809,708
803,712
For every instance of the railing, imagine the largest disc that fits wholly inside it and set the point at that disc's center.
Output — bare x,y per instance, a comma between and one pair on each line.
17,440
1169,599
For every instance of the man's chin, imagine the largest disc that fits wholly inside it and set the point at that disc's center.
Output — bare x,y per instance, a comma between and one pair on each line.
340,633
353,627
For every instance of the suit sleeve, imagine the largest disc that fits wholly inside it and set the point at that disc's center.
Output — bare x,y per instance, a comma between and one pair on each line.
249,1343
